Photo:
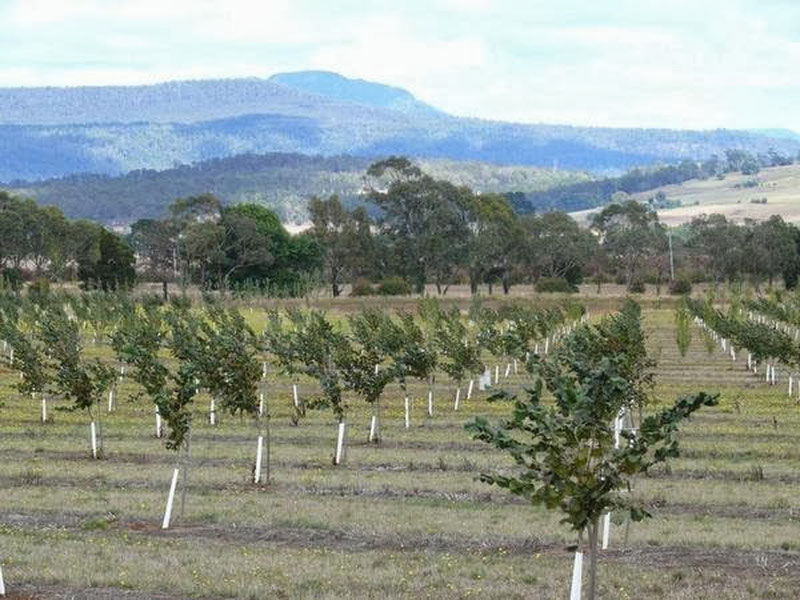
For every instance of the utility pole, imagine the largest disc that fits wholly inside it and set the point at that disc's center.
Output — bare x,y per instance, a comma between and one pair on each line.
671,258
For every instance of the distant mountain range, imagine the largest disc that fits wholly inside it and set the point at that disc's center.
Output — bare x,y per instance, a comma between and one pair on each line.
111,130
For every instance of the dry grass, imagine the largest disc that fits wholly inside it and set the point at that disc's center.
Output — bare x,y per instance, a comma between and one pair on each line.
403,519
729,196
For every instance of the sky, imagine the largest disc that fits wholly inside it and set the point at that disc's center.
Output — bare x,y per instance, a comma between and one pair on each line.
696,64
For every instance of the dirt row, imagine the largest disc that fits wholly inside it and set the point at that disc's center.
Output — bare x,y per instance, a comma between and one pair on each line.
755,473
754,563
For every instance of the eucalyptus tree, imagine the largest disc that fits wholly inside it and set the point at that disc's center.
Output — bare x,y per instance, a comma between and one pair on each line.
565,450
426,221
554,245
631,234
156,245
496,240
345,237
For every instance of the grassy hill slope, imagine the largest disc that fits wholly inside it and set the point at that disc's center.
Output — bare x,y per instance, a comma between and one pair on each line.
737,196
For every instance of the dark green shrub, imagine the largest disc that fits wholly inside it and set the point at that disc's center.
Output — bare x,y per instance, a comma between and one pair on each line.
152,300
555,284
180,302
12,278
394,286
39,288
636,287
680,286
362,287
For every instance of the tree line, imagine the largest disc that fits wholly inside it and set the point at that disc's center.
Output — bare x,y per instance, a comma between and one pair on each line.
422,230
430,231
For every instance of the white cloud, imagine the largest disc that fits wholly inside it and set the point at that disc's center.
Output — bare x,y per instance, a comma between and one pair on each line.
692,63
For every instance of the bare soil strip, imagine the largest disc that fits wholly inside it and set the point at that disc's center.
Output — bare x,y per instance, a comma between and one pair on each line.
759,562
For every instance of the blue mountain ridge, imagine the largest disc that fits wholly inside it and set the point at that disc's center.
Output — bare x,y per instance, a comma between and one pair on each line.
54,132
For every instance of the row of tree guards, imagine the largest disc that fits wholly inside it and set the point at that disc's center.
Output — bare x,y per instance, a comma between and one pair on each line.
599,376
765,338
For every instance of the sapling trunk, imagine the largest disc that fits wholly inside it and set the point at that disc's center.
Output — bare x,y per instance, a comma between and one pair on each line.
268,448
187,460
593,527
627,530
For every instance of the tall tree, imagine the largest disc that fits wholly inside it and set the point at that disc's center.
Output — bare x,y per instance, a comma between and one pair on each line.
268,254
718,246
630,233
156,244
556,246
110,267
424,219
495,240
773,241
345,238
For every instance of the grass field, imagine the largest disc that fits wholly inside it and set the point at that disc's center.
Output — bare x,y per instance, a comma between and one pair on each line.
406,518
731,196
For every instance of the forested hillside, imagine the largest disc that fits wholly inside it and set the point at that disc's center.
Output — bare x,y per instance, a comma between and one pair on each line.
284,182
